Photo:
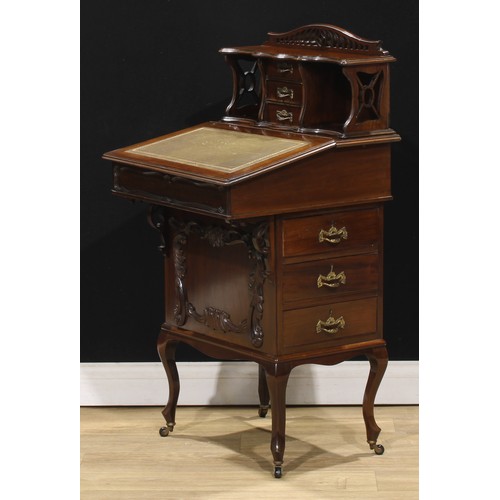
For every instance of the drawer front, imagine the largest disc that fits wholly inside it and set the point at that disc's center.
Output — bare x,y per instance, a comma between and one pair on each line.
284,92
338,232
161,189
283,70
330,277
282,114
330,325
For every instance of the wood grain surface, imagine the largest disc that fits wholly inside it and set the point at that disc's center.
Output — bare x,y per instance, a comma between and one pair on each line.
223,452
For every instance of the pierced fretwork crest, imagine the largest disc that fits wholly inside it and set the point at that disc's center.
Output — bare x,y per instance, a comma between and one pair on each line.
326,36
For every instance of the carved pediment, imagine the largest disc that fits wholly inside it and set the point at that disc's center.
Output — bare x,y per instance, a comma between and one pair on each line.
326,36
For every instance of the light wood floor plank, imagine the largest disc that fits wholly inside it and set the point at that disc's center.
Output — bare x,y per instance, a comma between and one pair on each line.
223,453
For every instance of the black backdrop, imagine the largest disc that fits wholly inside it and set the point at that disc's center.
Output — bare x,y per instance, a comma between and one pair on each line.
153,67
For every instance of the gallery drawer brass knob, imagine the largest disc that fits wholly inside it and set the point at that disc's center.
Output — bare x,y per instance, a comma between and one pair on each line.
331,325
333,235
284,116
284,92
332,280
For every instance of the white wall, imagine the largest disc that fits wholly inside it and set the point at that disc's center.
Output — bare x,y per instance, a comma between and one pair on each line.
235,383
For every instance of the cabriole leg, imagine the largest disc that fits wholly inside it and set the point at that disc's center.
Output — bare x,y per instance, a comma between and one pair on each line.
378,363
166,351
264,397
277,380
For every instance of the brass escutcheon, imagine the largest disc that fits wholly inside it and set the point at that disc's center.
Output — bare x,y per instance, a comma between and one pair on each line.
283,92
284,67
284,115
333,235
332,280
331,325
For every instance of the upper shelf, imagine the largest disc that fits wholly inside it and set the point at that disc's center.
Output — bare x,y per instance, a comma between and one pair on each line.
318,43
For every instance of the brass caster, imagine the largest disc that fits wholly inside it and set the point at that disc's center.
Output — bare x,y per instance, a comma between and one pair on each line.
377,448
278,471
164,431
263,410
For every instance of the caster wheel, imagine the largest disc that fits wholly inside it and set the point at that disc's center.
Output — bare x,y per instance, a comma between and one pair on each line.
263,411
164,431
278,472
378,449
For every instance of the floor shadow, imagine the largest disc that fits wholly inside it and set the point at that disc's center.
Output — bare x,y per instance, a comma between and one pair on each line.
256,439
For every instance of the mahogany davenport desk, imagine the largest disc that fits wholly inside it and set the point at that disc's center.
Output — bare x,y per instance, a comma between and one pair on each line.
271,218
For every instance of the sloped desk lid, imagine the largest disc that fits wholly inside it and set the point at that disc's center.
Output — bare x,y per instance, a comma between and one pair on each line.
218,149
220,153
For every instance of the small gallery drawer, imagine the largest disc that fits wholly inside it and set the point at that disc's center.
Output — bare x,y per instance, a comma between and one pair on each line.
330,277
282,114
283,70
343,232
332,324
284,92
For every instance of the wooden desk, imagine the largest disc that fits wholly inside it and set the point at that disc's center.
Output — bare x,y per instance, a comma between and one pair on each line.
271,219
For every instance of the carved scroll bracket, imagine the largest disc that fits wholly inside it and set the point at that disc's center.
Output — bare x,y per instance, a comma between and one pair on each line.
259,253
157,220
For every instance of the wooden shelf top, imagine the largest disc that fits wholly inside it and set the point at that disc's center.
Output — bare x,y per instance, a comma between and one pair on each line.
317,43
307,54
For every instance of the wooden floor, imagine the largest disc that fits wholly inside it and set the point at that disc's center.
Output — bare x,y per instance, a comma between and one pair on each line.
223,452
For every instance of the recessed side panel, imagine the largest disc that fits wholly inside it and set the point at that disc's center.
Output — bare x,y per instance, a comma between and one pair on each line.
330,178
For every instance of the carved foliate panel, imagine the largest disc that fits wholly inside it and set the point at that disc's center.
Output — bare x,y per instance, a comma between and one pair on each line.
211,316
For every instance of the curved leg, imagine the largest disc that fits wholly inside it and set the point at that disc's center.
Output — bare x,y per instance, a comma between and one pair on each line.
378,364
264,397
276,381
166,350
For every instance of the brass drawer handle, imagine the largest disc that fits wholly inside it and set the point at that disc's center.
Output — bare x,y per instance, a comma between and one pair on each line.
333,235
285,67
283,92
284,116
331,325
332,280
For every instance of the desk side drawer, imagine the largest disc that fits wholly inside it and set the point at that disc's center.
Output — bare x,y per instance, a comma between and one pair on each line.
163,189
330,278
330,325
337,232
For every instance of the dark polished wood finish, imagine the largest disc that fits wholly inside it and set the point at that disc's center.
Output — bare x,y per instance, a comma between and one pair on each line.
271,219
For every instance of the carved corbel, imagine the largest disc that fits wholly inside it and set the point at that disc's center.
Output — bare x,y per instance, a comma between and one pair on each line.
157,220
